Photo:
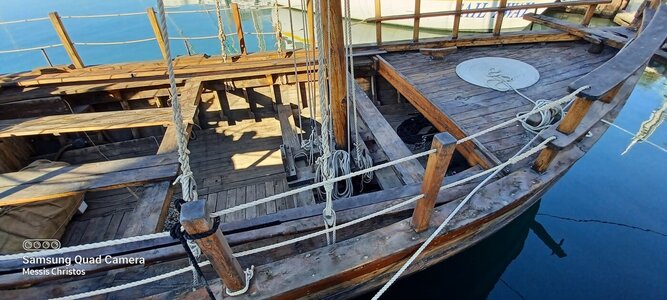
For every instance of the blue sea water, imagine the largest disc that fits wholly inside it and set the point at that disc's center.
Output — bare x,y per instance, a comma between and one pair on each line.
601,232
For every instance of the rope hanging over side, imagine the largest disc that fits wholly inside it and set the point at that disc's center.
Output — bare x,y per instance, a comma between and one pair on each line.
280,40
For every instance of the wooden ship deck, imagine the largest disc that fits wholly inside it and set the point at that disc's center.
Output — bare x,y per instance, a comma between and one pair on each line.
246,119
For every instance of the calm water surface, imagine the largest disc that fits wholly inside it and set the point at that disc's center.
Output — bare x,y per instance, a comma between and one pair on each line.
601,232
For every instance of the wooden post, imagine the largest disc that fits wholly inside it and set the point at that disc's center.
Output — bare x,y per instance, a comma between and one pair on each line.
378,24
499,17
415,26
65,40
310,17
337,70
574,116
195,220
457,19
152,18
239,27
589,14
568,125
543,160
436,167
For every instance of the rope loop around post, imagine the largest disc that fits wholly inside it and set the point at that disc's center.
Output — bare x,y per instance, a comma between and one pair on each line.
249,273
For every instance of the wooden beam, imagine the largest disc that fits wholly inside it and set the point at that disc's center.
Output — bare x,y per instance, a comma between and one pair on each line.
485,10
385,136
436,168
500,14
236,15
378,25
574,116
590,11
65,40
429,110
457,19
415,25
194,219
51,183
337,71
592,35
310,19
152,19
86,122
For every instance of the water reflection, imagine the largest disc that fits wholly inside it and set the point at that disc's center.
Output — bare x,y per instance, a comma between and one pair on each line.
473,273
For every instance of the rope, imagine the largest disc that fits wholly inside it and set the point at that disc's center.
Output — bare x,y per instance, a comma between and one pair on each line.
24,21
280,41
30,49
362,159
319,184
221,31
186,178
304,237
105,15
553,104
547,116
428,241
113,43
132,284
248,276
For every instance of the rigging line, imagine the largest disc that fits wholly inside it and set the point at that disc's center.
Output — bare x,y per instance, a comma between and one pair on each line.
296,73
442,226
30,49
23,21
221,31
113,43
104,15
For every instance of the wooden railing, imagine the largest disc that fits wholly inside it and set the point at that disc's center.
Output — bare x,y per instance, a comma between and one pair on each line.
458,13
605,82
500,10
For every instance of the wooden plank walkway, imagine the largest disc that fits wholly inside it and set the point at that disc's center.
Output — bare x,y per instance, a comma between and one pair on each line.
474,108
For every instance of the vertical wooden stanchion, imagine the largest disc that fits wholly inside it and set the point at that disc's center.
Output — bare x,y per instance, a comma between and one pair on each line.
236,15
152,19
337,70
499,17
569,123
574,116
415,26
65,40
457,19
310,18
589,14
195,220
436,167
378,24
